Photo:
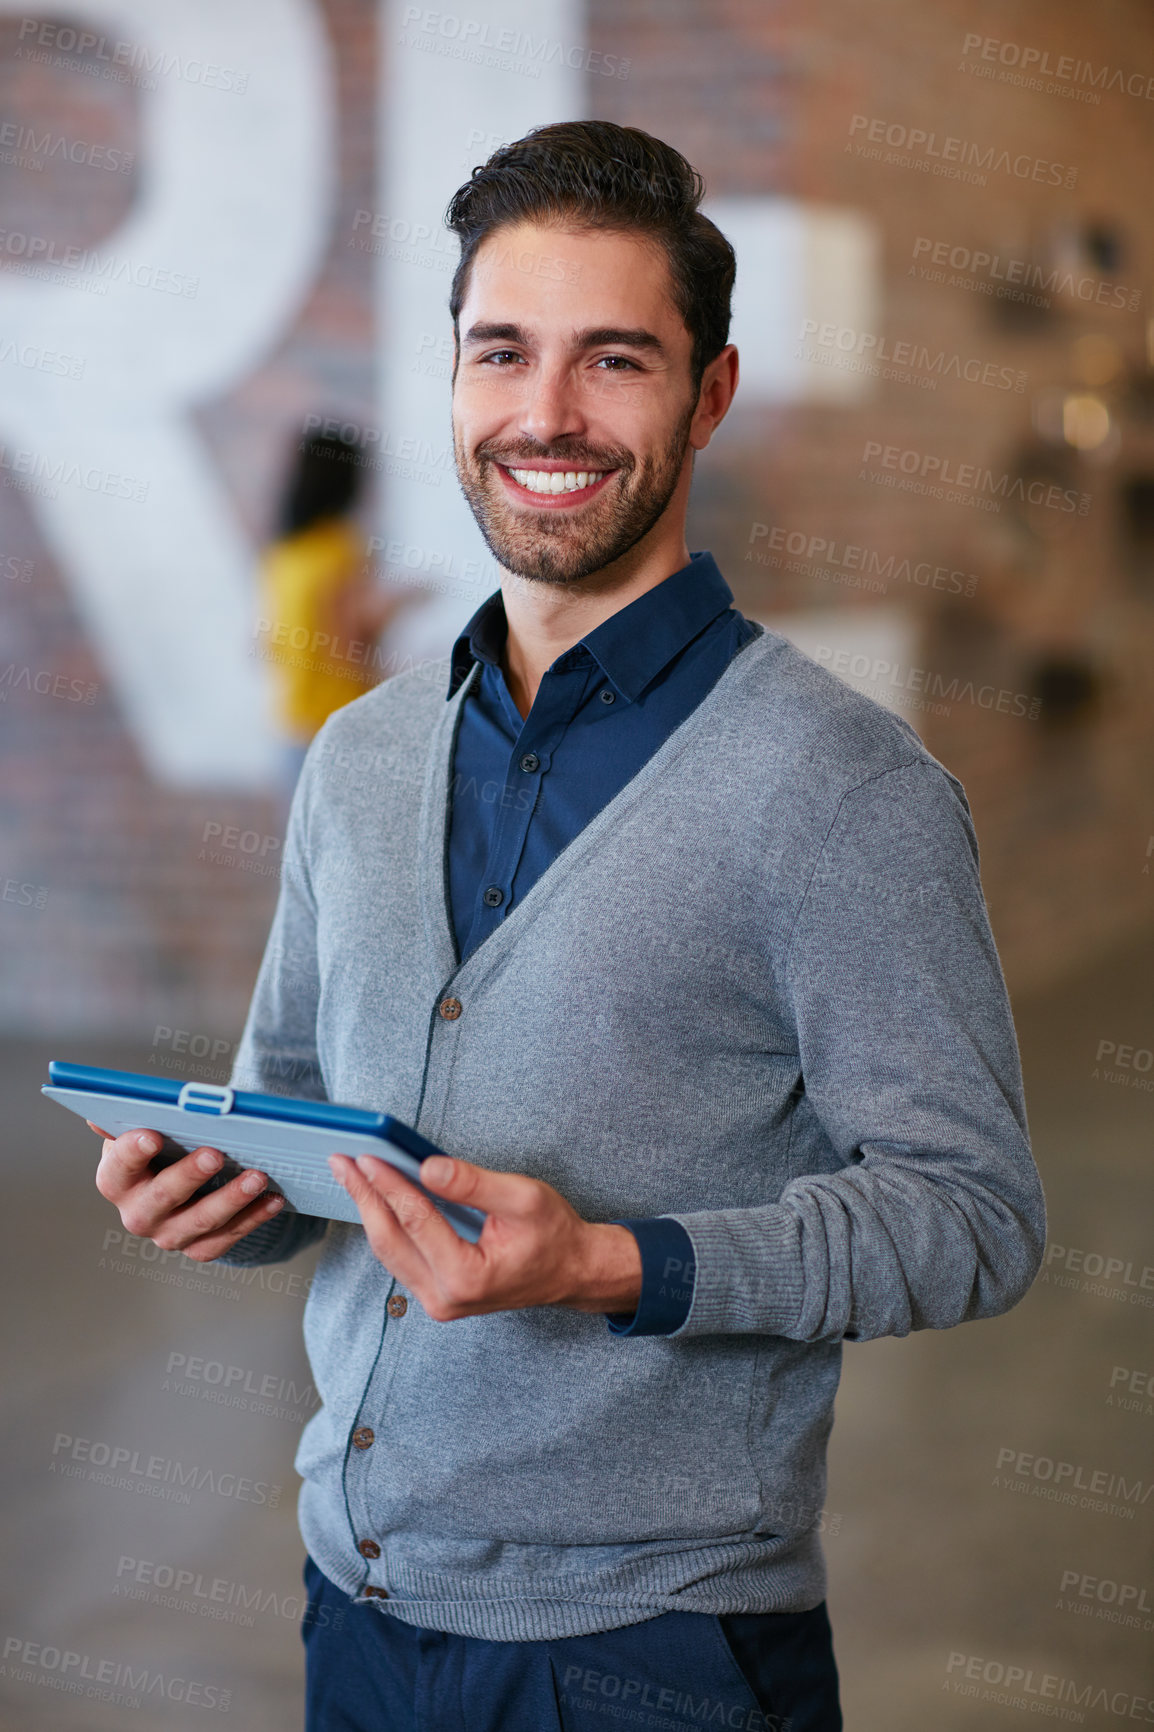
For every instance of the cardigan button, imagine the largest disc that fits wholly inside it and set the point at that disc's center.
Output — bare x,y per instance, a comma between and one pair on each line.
397,1305
363,1437
368,1548
450,1009
529,762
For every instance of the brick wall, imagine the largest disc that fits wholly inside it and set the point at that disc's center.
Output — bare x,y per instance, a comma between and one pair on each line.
113,918
140,928
1064,808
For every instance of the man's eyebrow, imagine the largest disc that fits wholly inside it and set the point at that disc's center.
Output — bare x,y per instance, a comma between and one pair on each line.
490,333
635,337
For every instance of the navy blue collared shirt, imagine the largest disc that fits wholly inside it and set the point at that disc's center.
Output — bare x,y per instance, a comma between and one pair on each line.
523,787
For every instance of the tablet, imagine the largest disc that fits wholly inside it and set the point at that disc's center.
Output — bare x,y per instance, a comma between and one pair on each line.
288,1139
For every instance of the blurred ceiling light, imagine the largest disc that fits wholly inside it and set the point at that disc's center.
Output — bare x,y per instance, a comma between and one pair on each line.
1085,422
1097,359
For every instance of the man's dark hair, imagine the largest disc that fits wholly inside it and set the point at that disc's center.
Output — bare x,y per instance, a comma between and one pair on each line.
323,482
597,175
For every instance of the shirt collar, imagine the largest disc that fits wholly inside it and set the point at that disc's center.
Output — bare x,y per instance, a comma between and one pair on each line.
632,646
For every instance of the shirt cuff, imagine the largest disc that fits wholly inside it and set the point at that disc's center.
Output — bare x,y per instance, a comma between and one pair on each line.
667,1278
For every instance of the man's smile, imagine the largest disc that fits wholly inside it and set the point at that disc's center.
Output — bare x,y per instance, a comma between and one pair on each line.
550,486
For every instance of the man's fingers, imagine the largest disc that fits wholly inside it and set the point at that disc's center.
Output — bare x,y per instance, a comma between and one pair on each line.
509,1194
213,1244
217,1213
158,1206
388,1194
124,1162
172,1225
369,1199
124,1177
411,1237
98,1130
397,1229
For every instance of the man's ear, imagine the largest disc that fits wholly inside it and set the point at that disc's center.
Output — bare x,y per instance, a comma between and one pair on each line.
718,388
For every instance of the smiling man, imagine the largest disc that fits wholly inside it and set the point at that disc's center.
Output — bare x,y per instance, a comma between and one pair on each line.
678,947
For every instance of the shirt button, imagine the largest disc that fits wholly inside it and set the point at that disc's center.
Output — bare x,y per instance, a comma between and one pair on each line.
376,1593
363,1436
494,896
530,762
608,697
396,1307
450,1009
368,1548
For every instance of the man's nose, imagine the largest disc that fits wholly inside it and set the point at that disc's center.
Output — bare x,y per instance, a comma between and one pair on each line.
551,408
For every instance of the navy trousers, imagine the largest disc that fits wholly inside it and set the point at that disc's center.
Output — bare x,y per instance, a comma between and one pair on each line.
367,1671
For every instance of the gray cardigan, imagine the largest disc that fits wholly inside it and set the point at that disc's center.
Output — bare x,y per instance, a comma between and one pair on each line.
759,993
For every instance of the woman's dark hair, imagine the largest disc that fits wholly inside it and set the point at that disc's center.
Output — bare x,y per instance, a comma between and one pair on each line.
595,174
324,482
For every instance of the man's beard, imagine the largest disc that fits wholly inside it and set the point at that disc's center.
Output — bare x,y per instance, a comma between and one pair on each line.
564,548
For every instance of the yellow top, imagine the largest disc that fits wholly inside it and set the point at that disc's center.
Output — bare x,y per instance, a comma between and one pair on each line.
319,668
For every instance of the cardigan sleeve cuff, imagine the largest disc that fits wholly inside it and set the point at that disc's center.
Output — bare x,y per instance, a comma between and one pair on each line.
666,1278
749,1273
275,1241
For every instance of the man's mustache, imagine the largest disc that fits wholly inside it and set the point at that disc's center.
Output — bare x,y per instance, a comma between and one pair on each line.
526,459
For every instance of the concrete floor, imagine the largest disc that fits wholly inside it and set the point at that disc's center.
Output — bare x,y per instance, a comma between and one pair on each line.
942,1580
934,1560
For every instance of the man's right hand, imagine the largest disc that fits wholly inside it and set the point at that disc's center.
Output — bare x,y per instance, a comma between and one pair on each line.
156,1206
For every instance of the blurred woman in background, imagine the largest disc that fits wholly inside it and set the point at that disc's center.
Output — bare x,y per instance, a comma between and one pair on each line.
323,610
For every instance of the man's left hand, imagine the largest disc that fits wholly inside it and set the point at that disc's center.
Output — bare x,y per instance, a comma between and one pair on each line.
534,1248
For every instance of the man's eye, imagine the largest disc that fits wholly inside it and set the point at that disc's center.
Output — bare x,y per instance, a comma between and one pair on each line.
619,360
498,353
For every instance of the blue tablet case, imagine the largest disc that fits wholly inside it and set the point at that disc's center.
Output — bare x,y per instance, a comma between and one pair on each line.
288,1139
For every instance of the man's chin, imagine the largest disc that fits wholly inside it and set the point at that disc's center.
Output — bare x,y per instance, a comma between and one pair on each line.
558,548
542,565
555,552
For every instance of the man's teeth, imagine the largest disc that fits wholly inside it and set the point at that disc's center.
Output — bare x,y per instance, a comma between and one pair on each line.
557,480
